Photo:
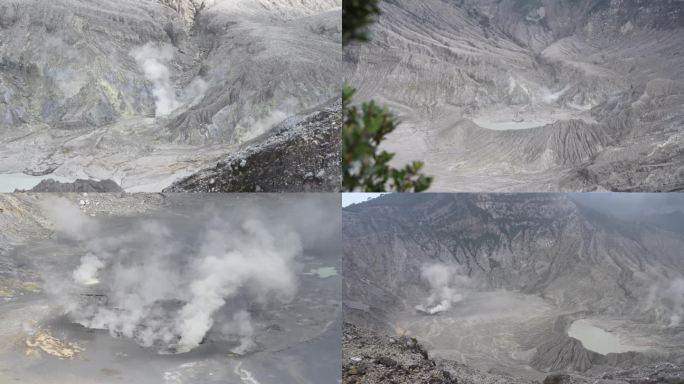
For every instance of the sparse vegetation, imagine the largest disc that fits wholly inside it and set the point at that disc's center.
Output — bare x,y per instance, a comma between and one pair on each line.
357,15
365,167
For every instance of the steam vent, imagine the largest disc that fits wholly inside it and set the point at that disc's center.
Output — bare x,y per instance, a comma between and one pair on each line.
342,191
546,139
174,288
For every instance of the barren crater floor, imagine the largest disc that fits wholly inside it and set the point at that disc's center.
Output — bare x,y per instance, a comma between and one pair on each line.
529,96
584,286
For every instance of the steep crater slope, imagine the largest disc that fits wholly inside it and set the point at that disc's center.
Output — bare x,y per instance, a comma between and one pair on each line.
305,157
146,92
532,275
532,95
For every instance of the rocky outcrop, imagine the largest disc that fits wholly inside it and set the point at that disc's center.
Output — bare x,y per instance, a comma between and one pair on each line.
187,9
305,157
664,373
78,186
661,172
374,358
563,353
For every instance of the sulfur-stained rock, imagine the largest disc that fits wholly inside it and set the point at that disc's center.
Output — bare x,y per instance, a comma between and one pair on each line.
43,341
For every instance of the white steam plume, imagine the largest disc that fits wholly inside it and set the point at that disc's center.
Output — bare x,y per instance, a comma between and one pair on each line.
153,61
667,298
68,219
168,282
673,298
240,330
442,280
256,127
195,91
550,97
252,257
86,273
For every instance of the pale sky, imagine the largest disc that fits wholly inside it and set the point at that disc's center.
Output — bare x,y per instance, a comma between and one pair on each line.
353,198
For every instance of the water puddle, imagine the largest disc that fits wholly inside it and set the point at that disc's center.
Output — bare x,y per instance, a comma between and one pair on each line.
323,272
599,340
9,182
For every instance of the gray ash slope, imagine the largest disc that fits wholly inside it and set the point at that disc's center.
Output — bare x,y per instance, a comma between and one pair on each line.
532,95
305,157
534,265
146,92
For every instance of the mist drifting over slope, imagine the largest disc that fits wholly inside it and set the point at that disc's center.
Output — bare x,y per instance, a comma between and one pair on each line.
163,285
170,288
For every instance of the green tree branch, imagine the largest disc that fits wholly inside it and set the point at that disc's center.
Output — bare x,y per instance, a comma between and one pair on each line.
365,167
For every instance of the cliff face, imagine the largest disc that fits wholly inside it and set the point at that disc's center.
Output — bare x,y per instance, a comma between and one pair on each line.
556,95
142,92
187,9
374,358
567,261
369,357
303,158
542,244
540,23
78,63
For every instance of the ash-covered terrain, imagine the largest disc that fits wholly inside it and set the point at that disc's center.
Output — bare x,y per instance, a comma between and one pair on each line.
201,288
149,92
531,95
522,288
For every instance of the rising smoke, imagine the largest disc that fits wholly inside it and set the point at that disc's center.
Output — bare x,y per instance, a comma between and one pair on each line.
240,330
69,220
168,282
550,97
87,272
154,60
667,299
443,281
195,91
254,128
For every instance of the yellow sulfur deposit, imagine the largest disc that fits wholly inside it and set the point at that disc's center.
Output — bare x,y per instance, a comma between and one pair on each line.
29,286
10,287
43,341
6,292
